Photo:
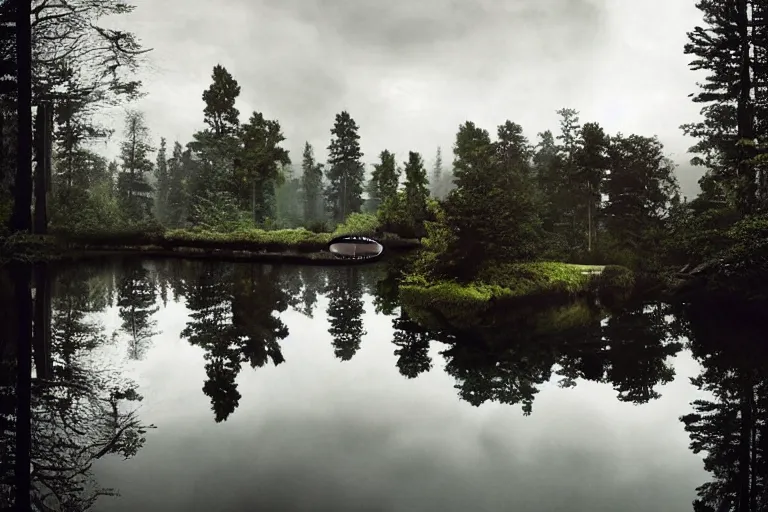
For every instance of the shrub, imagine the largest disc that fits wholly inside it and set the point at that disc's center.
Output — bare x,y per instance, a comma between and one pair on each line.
365,224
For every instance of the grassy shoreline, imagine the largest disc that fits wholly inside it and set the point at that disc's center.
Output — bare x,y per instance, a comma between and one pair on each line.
284,246
505,285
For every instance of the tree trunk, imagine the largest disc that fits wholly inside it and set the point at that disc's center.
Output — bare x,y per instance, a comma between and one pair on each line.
42,166
745,112
21,219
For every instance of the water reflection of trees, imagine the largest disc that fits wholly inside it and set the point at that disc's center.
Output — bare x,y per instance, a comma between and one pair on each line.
233,318
516,351
730,341
137,294
345,311
75,408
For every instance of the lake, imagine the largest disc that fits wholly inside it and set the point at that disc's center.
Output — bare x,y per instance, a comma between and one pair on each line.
180,385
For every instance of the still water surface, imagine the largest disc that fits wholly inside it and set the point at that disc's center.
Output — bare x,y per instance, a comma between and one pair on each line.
286,388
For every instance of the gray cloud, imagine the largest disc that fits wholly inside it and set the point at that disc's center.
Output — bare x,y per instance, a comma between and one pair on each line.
410,72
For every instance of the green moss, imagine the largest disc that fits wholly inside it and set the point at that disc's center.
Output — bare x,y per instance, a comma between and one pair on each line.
523,279
358,224
285,238
464,304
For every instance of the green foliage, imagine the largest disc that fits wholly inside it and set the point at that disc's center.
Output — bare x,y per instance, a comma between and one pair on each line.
524,279
287,238
220,112
358,224
221,213
163,182
491,212
258,170
345,172
385,179
319,226
133,188
312,184
460,305
428,300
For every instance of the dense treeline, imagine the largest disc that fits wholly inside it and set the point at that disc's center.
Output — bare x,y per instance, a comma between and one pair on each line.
575,193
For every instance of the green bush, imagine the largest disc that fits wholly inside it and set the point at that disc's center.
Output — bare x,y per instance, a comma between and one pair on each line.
365,224
319,226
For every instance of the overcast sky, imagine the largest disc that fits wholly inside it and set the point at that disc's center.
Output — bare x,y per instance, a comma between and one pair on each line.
411,72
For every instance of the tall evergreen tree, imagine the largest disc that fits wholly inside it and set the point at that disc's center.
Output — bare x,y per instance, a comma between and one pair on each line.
547,167
489,213
162,183
260,164
345,170
640,188
220,113
177,187
726,47
569,143
436,180
591,166
216,149
416,189
311,184
133,186
384,179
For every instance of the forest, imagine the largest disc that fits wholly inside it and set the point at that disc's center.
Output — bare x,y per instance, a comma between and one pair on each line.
499,213
573,194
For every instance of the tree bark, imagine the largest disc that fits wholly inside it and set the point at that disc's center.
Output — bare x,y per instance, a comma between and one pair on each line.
21,219
745,112
42,165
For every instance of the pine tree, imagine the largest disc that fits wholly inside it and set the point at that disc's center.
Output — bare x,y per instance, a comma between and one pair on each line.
640,189
591,166
345,170
546,166
416,189
162,180
133,187
725,47
384,179
489,213
260,164
436,183
217,148
220,112
311,184
177,183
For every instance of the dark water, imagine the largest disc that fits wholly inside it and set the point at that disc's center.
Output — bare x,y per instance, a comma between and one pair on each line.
221,387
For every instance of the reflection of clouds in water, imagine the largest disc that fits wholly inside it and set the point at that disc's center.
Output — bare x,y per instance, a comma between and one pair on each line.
316,431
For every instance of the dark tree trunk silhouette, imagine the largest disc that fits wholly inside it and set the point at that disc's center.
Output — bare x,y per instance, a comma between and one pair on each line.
21,219
23,299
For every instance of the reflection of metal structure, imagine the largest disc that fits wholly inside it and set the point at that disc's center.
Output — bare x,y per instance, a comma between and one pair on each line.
355,247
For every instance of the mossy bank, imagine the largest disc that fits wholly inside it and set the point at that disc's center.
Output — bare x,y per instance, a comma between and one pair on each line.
284,246
517,283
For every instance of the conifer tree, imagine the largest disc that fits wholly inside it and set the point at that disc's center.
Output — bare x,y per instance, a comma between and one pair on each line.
345,171
311,184
162,183
416,189
133,187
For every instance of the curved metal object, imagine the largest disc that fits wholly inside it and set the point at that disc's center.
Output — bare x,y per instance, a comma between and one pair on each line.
355,247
